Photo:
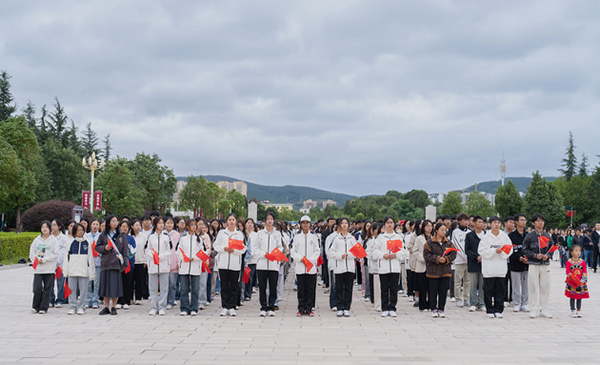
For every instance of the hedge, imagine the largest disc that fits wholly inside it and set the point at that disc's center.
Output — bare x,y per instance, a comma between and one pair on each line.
15,246
33,217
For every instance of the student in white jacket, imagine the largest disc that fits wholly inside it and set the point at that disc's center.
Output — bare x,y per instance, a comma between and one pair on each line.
494,268
267,240
229,263
344,267
190,268
63,240
44,249
158,243
389,266
305,247
79,268
330,264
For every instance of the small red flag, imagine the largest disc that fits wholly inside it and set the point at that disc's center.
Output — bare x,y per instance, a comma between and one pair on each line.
246,277
67,290
573,281
202,256
35,263
320,261
236,244
506,248
94,252
358,251
205,267
269,257
59,272
185,257
309,265
394,245
544,241
278,255
553,248
111,243
128,268
450,249
155,256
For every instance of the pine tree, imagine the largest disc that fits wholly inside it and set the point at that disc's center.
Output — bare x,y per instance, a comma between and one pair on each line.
569,163
583,167
545,199
107,147
59,124
29,113
7,108
90,141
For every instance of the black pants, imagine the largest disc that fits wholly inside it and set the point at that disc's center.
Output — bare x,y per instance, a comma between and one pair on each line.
371,292
358,273
410,283
507,286
438,290
325,271
596,253
389,291
42,283
127,288
493,294
307,285
140,281
229,288
573,301
267,277
343,290
423,288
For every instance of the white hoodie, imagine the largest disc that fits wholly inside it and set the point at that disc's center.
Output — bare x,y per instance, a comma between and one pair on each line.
342,245
225,260
161,243
493,264
191,245
264,243
380,249
458,239
46,250
305,245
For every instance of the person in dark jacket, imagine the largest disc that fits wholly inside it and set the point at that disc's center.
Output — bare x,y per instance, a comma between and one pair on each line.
518,266
596,241
113,247
474,264
439,269
535,247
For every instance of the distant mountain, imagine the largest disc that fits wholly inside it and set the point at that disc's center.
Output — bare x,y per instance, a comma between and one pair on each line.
284,194
492,186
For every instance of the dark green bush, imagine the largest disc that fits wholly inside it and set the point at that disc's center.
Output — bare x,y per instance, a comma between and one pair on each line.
33,217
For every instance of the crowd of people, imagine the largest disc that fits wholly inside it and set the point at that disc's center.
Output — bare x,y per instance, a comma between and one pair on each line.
480,264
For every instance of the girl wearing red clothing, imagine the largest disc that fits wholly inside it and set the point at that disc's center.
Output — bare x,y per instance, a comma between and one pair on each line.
576,288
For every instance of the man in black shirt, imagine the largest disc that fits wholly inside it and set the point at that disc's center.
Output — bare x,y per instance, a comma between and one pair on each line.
518,266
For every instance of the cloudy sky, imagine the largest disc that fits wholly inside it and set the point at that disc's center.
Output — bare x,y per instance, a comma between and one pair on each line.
351,96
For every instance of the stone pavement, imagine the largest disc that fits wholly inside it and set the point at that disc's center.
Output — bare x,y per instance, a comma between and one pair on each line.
412,337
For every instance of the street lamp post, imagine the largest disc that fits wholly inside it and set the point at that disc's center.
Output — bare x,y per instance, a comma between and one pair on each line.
92,164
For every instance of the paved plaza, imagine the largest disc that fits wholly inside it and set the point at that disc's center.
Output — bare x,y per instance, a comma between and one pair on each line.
364,338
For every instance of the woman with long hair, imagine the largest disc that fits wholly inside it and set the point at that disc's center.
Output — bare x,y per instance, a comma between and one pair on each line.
140,271
251,235
158,253
422,283
387,250
43,254
128,274
206,273
267,269
343,267
439,269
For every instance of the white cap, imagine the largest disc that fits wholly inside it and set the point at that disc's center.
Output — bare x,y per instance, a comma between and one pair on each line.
305,218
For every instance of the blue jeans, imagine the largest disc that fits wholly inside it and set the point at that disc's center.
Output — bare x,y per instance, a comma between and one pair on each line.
247,292
173,276
93,287
60,292
189,283
217,284
588,257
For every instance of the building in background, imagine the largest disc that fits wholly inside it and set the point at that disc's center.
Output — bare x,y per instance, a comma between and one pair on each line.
309,204
280,207
239,186
328,202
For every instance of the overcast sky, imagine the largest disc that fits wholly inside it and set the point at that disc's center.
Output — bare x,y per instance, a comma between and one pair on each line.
357,97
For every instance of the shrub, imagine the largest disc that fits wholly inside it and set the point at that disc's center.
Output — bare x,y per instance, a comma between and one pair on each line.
14,246
33,217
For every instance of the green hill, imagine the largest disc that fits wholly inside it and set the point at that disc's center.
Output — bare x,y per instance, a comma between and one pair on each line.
284,194
492,186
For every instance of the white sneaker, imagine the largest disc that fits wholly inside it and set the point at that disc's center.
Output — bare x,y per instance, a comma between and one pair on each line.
169,306
224,312
545,314
232,312
71,312
411,299
385,313
80,312
201,307
334,309
579,314
453,299
183,314
498,315
95,306
460,304
533,314
367,299
137,302
400,291
58,305
346,313
125,306
87,306
254,290
271,314
153,312
434,314
524,309
573,314
262,314
441,314
491,315
161,312
42,312
340,313
33,310
393,314
515,309
360,287
193,313
472,308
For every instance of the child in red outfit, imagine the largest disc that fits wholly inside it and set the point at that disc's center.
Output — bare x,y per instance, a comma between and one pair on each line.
576,288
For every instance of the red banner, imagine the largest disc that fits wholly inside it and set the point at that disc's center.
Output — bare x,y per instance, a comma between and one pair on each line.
98,200
85,199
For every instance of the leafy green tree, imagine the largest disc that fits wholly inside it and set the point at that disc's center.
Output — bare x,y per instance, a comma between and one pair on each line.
239,205
68,176
196,195
477,204
569,163
594,194
452,204
418,198
7,108
121,195
158,181
508,201
541,198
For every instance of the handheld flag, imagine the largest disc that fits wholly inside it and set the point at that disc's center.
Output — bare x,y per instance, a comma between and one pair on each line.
506,248
205,267
155,256
544,241
128,268
358,251
553,248
59,272
269,257
202,256
94,252
309,265
246,277
114,247
236,244
320,261
35,263
185,257
450,249
68,290
394,245
573,281
278,255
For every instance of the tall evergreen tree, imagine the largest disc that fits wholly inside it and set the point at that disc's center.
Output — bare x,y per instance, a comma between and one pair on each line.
89,141
59,124
107,147
29,113
7,107
569,163
544,199
583,167
508,201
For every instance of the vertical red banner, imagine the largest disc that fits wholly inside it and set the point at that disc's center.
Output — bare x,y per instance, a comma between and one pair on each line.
85,199
202,212
98,200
